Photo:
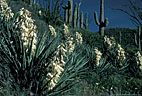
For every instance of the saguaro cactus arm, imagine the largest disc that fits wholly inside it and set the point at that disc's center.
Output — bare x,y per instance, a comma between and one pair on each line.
65,13
106,22
65,7
96,18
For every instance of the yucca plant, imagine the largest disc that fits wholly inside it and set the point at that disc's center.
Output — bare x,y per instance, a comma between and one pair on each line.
106,62
111,58
28,70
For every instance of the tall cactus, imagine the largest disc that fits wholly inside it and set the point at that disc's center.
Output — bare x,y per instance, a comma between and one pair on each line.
81,20
70,5
75,16
138,38
65,13
101,23
78,8
86,21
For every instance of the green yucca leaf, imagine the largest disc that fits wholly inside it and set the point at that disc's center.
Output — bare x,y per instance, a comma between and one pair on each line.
24,63
125,65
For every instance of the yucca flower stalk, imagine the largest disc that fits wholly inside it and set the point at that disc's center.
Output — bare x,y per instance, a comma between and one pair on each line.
79,38
98,55
52,30
120,54
139,60
66,30
25,25
109,42
70,45
5,11
55,67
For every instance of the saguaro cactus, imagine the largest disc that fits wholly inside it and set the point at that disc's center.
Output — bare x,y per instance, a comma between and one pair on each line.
138,37
65,13
86,21
101,23
78,8
81,20
70,4
75,16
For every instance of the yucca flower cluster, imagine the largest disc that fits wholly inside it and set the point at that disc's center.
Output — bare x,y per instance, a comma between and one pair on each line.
70,46
55,67
98,55
139,59
66,29
120,53
27,29
109,42
52,30
78,38
5,11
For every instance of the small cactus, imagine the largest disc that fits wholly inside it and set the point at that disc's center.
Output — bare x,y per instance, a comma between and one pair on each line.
101,23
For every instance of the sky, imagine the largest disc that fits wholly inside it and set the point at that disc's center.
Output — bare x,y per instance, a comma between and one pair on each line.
116,18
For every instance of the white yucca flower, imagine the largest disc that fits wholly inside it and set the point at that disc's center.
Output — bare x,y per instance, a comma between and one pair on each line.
5,10
120,53
139,59
52,30
98,55
61,50
70,46
78,38
39,12
27,29
66,29
109,42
